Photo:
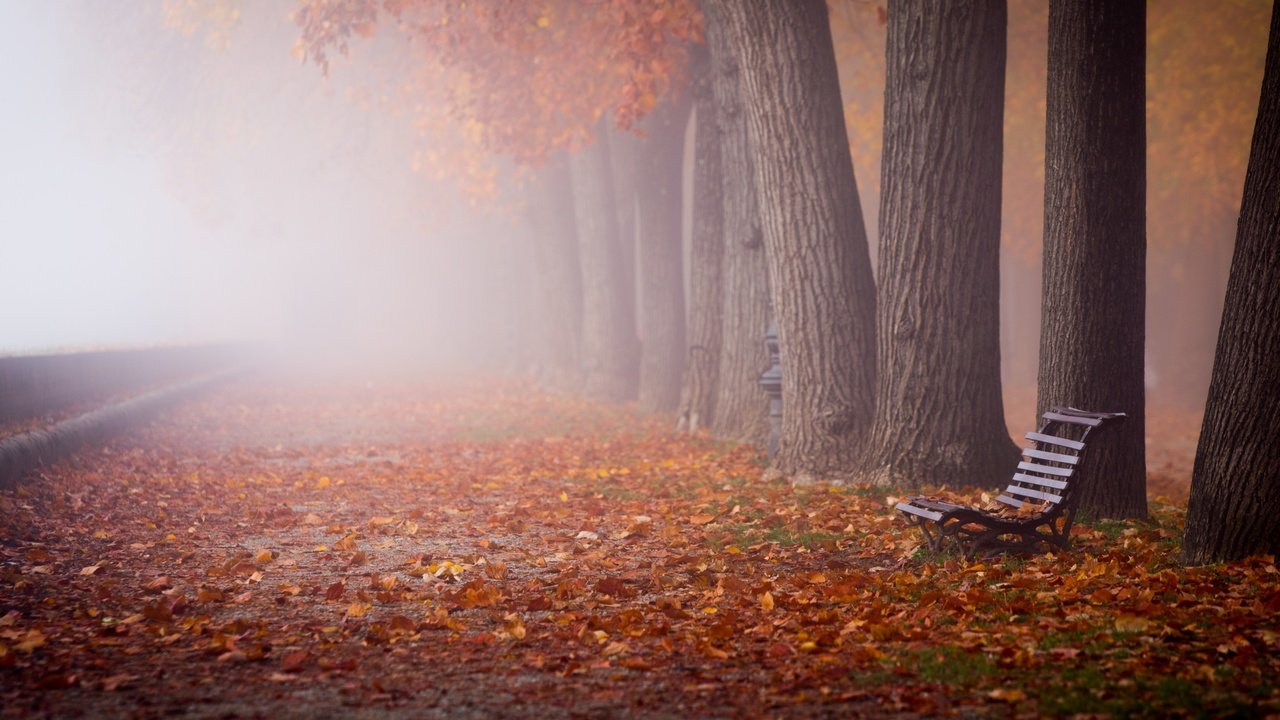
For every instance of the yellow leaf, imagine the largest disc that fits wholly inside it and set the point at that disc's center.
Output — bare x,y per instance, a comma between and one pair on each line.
544,21
766,601
323,483
30,641
358,609
89,570
1132,623
514,626
701,519
1007,695
264,556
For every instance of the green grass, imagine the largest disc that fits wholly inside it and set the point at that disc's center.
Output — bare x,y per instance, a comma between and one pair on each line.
1066,690
792,538
951,666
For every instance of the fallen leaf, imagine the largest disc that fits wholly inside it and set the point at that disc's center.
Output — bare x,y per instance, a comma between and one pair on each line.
1131,623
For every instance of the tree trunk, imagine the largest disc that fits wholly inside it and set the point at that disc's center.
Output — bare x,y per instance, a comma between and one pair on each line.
624,157
1092,314
559,274
609,346
702,366
1234,510
822,289
659,194
742,407
939,412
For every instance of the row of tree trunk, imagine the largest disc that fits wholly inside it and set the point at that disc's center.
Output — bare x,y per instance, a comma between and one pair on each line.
898,385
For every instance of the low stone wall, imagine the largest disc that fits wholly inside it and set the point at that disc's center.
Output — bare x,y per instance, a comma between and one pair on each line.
35,386
39,386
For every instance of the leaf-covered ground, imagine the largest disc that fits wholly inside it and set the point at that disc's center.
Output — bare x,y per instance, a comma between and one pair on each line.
486,550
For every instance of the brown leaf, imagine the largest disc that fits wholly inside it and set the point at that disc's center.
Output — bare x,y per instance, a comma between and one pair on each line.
614,587
157,584
335,591
294,661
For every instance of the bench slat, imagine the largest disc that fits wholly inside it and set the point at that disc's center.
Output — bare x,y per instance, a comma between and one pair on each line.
1055,440
1028,492
1046,455
1010,501
1041,481
908,507
1074,419
1045,469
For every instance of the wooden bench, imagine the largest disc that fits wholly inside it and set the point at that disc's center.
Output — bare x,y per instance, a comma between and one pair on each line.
1038,506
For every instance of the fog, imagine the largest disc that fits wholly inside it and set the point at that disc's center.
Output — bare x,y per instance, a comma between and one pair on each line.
158,191
162,186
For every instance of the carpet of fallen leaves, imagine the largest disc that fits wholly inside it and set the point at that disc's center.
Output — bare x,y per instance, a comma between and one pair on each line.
487,550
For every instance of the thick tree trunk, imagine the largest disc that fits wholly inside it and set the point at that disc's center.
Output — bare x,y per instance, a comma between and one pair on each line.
742,407
659,192
1234,508
706,255
823,292
939,412
609,346
559,274
1092,314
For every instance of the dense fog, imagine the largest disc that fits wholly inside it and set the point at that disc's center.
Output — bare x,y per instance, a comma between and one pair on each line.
165,184
160,191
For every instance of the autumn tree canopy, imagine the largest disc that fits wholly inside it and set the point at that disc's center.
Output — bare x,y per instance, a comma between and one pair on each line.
529,77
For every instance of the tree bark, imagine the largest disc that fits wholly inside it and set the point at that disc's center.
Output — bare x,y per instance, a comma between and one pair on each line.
659,195
1234,509
624,156
559,274
742,407
939,412
1092,314
706,255
822,289
609,345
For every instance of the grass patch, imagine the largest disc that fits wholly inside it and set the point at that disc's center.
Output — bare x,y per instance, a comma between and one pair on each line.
808,538
1089,691
950,666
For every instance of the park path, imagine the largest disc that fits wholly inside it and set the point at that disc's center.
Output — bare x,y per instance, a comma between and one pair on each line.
382,550
284,547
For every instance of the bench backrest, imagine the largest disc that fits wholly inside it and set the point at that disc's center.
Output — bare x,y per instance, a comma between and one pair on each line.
1046,474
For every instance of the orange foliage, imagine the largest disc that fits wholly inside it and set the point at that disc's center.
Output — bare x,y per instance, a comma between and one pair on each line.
527,78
